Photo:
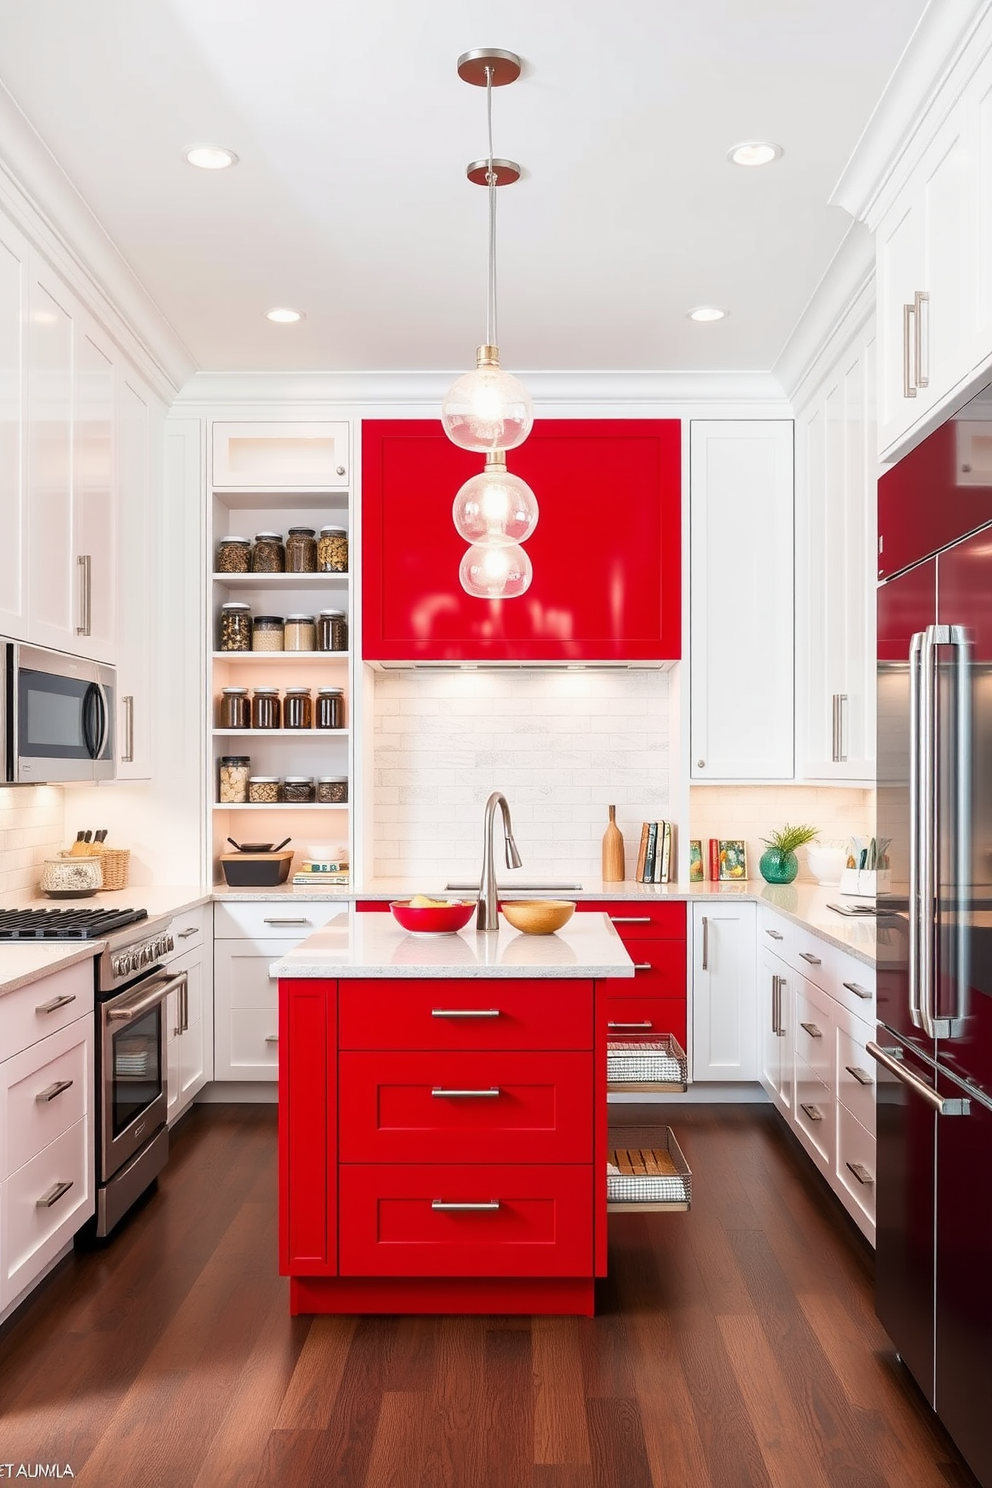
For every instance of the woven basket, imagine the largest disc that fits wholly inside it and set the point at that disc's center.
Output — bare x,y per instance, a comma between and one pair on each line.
114,861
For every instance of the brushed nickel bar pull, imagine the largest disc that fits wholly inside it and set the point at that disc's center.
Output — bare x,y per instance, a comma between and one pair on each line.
441,1091
85,563
862,1076
56,1003
908,390
52,1091
53,1195
775,934
630,919
300,920
812,1030
808,956
861,992
706,941
271,1038
835,729
861,1173
464,1012
943,1105
185,934
452,1208
127,757
646,965
921,298
646,1024
813,1112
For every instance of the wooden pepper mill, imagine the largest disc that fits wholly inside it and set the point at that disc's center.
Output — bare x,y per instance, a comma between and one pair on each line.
613,851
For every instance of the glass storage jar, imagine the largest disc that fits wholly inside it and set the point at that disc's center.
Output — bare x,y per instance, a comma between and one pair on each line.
266,709
234,770
298,708
268,554
268,633
332,550
332,789
235,626
332,630
263,790
298,790
329,712
301,550
300,633
234,712
234,555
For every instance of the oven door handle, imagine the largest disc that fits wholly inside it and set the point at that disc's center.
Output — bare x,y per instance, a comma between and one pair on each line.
151,997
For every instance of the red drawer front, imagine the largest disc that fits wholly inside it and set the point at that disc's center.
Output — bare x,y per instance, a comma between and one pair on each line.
372,906
660,1014
542,1225
660,970
635,920
389,1113
457,1014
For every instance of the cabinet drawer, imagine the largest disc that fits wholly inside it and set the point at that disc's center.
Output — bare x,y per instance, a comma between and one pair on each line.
775,933
815,1032
271,920
856,1077
42,1007
191,928
853,984
647,1015
253,1050
465,1107
39,1213
636,920
533,1220
477,1014
659,969
46,1089
814,1114
856,1163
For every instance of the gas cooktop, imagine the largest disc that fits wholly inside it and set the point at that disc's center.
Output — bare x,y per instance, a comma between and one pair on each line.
65,924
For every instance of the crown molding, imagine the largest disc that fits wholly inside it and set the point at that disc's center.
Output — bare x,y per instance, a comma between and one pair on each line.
949,41
416,394
44,204
840,303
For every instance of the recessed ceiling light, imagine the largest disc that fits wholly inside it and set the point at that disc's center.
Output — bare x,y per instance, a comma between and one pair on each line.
754,152
211,157
282,315
706,312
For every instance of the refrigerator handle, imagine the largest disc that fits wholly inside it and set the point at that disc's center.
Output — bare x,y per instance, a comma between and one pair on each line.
942,1104
915,814
961,642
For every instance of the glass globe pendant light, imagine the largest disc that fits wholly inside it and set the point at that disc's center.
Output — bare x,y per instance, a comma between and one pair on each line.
495,507
495,571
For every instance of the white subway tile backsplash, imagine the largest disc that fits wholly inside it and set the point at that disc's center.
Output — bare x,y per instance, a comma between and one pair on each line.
32,822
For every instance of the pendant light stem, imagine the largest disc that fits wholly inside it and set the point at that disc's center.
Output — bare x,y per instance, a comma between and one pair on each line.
492,328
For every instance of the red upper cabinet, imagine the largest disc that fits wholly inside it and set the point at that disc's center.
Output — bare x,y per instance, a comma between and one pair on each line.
606,551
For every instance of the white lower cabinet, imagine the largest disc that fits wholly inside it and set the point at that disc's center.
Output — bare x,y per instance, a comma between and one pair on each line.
248,937
46,1124
724,1043
775,1041
190,1031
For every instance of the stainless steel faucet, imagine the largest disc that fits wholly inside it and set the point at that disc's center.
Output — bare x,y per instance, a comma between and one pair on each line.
487,917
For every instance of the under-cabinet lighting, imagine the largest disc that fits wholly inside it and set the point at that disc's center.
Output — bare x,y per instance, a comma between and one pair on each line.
706,313
211,157
754,152
282,315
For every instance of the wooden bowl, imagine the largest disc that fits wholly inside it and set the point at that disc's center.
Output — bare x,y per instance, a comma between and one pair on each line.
433,919
537,916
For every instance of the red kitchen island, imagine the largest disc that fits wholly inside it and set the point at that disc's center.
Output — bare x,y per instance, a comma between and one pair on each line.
442,1117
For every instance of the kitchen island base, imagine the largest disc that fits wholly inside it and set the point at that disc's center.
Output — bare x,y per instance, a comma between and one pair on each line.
466,1295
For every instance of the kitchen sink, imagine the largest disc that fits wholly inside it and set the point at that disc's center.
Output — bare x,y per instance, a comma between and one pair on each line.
522,888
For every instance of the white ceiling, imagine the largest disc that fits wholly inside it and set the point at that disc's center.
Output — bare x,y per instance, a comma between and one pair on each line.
353,129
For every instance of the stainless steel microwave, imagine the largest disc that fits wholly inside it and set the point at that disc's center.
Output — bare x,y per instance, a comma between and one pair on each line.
56,716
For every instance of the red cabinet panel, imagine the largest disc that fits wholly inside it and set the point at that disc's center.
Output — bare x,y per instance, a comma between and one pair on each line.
637,920
606,551
931,498
537,1221
660,970
649,1015
456,1014
307,1130
462,1107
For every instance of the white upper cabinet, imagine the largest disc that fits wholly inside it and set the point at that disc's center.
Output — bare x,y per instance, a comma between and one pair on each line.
836,477
94,494
134,682
742,621
281,457
14,279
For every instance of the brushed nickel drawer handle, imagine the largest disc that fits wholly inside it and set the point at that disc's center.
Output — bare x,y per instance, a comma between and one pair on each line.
706,942
808,956
451,1207
813,1112
442,1092
775,934
53,1195
53,1090
861,1173
646,1024
56,1003
642,965
185,934
812,1030
862,1076
861,992
271,1038
298,921
630,919
464,1012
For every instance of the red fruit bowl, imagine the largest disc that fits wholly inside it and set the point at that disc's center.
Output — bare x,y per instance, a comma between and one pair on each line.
433,919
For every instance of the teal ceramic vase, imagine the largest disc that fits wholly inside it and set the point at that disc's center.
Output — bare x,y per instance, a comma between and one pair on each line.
778,867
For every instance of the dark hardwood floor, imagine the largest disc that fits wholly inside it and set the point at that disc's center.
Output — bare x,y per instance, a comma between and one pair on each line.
736,1346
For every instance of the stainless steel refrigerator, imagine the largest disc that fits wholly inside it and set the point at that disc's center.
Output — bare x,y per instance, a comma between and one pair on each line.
934,1037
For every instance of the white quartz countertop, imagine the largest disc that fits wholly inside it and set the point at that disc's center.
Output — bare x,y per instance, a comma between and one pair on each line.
29,961
371,944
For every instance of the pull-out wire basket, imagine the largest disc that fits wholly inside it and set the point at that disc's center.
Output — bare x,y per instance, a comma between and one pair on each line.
645,1062
646,1171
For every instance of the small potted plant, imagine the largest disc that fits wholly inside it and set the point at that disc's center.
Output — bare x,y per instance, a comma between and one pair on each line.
779,864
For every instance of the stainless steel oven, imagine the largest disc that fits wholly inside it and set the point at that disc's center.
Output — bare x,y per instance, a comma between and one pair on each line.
56,716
